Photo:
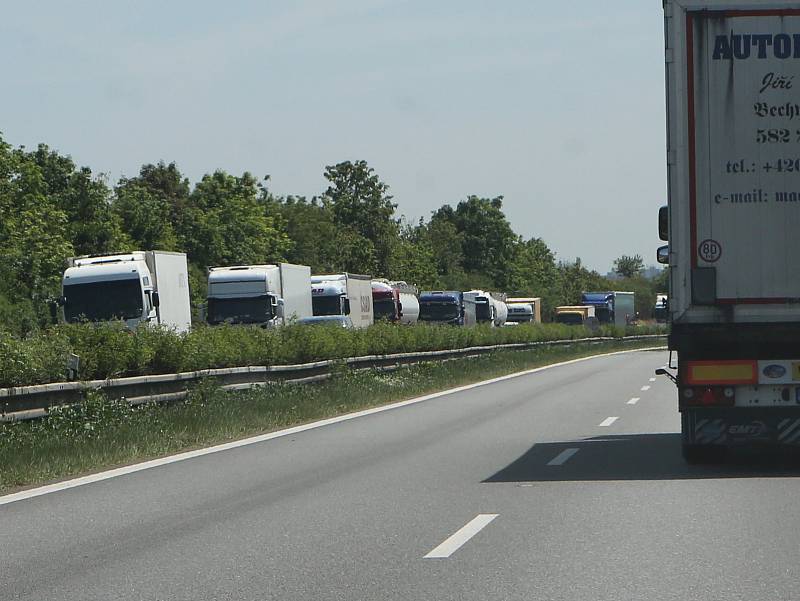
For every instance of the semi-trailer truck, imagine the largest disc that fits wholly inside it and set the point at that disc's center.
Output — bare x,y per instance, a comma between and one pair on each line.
447,307
732,76
343,294
611,307
395,301
490,307
266,295
137,287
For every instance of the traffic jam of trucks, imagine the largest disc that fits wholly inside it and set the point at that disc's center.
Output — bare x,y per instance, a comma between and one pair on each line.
152,287
731,223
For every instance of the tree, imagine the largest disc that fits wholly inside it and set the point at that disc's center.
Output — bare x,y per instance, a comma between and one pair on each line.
533,272
487,240
359,200
145,217
224,223
442,236
413,258
629,267
33,241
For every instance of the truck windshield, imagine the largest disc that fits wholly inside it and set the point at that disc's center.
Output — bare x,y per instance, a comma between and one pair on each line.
326,305
571,319
438,311
483,310
385,309
103,301
256,309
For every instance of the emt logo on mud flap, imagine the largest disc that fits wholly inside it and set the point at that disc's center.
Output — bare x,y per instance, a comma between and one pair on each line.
752,429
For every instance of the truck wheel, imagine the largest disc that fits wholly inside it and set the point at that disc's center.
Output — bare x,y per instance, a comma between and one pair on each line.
695,454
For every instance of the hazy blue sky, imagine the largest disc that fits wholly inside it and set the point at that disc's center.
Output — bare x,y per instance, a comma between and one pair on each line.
558,106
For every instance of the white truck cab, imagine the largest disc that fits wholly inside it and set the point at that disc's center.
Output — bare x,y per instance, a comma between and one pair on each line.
137,287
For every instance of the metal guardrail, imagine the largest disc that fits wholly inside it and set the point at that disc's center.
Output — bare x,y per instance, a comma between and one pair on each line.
29,402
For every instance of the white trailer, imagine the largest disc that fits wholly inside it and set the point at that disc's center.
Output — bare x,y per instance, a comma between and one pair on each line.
344,294
733,142
267,295
490,307
138,287
624,308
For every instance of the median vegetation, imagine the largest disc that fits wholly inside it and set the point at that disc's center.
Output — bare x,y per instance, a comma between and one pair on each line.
101,433
109,350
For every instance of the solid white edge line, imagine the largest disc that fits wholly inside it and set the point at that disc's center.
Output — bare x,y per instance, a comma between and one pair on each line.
457,540
645,388
633,401
607,422
138,467
563,457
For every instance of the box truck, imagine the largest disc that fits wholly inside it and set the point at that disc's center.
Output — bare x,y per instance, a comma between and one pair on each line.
343,294
733,213
265,295
137,287
524,309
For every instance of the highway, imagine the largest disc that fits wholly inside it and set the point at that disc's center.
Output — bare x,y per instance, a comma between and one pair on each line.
562,484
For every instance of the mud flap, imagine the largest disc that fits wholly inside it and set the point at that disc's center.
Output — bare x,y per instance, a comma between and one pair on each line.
733,426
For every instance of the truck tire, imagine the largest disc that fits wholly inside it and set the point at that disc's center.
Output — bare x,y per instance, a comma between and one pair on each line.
696,454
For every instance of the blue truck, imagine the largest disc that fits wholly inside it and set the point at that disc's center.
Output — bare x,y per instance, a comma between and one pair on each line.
616,308
446,307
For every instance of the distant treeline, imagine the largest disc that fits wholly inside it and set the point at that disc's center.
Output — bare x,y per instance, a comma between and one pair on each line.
50,209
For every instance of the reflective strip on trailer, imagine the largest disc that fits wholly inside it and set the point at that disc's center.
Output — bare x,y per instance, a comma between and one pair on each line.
702,373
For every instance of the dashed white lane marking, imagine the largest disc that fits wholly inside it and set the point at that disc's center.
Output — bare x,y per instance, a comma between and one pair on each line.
633,401
645,388
607,422
457,540
562,457
652,379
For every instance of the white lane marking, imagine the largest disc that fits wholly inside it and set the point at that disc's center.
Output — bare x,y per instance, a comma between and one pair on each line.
645,388
562,457
652,379
633,401
607,422
457,540
146,465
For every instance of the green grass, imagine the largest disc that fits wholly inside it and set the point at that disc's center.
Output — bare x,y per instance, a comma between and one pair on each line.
112,351
101,433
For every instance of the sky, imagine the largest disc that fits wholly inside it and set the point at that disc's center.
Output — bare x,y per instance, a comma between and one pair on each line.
556,106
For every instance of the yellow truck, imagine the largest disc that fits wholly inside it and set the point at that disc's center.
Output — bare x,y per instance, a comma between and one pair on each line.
575,315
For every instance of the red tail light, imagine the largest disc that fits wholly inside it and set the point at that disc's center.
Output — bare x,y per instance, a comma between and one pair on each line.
708,396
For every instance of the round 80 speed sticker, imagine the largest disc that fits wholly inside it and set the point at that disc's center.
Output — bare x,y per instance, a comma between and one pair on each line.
709,250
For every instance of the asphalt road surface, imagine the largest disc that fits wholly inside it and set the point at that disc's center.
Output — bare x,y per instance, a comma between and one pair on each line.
563,484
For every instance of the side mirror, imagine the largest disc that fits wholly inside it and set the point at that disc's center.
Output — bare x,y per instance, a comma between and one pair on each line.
279,307
663,223
346,306
662,255
156,300
61,301
399,309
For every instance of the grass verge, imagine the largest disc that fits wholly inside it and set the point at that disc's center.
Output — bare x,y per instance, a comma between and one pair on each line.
101,433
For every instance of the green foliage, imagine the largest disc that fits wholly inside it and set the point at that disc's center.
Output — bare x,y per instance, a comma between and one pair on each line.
629,267
109,350
224,223
359,200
